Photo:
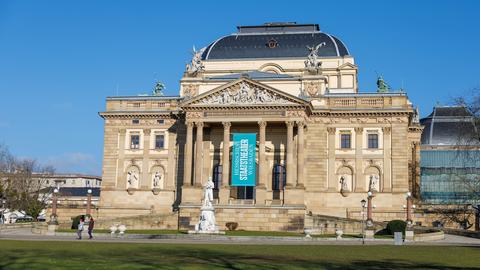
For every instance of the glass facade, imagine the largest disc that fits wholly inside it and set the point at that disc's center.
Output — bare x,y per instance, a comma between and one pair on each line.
450,176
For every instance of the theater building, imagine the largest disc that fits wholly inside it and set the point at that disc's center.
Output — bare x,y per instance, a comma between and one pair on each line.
314,144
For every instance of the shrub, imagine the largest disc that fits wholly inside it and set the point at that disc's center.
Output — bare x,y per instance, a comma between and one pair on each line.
76,221
231,226
396,226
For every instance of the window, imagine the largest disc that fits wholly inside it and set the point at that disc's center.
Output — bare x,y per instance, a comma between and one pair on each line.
279,178
372,140
135,121
159,141
160,121
345,140
134,141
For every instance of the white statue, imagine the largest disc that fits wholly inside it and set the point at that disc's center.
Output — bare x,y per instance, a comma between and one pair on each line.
208,193
132,179
373,184
312,63
196,64
416,116
343,183
157,178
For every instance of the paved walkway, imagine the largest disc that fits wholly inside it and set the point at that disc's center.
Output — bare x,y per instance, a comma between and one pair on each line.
25,234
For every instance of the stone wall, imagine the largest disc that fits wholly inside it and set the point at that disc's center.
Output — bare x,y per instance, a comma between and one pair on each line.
249,218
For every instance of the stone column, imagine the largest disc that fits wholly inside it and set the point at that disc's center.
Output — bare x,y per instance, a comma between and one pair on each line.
145,178
198,155
261,188
290,173
262,166
386,183
300,156
332,179
224,192
121,181
187,164
359,178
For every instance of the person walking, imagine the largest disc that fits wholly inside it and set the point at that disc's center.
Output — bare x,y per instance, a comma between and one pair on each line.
91,223
80,228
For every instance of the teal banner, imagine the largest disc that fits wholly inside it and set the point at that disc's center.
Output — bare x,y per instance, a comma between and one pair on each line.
243,159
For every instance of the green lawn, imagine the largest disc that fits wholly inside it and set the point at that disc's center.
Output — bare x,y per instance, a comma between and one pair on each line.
95,255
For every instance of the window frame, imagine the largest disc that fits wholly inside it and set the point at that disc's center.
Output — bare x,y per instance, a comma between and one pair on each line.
132,141
163,141
349,134
375,143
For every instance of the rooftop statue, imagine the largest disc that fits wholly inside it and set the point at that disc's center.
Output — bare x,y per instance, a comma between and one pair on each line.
382,86
158,90
196,64
312,63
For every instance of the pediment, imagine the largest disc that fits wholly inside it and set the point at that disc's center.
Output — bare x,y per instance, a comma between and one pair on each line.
244,92
347,66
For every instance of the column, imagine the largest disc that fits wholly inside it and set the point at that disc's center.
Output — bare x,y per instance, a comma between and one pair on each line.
300,156
332,179
187,164
386,184
262,166
226,155
121,181
145,179
290,173
360,184
197,181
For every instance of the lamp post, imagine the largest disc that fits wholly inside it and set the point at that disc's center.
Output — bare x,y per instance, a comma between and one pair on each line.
3,210
89,201
363,203
408,208
53,216
369,209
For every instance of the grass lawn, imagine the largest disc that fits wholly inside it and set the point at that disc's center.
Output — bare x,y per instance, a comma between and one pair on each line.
84,255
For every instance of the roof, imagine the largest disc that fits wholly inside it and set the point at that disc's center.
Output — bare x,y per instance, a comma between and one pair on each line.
78,191
449,125
255,75
274,40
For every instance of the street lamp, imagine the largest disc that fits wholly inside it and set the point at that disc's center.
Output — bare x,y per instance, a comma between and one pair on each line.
363,203
3,211
89,201
369,209
53,216
408,208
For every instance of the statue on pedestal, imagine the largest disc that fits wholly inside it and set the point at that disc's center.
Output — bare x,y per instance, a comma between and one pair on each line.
207,215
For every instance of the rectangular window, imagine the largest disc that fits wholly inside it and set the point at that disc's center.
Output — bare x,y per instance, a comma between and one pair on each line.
159,141
160,121
345,140
134,141
135,121
373,141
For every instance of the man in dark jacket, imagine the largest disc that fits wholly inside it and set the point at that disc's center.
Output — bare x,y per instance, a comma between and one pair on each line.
91,223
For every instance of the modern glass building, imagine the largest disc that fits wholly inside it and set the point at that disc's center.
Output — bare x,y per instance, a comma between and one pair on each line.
450,157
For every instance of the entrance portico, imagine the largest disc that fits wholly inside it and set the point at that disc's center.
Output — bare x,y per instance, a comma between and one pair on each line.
279,121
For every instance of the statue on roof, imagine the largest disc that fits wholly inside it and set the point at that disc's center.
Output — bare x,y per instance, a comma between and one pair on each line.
196,64
382,86
416,116
312,63
158,90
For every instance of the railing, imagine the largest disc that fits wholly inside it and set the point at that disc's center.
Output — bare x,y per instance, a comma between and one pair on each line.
361,102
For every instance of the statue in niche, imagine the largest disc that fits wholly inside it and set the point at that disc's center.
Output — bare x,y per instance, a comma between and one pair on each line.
373,183
157,180
343,183
132,179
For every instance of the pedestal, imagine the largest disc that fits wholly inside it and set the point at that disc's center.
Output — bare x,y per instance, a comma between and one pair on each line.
409,235
206,224
369,234
52,228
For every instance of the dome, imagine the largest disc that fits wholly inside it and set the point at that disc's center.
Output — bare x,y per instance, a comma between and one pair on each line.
449,126
274,40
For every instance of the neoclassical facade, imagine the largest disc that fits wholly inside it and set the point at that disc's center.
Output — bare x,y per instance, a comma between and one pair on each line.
321,144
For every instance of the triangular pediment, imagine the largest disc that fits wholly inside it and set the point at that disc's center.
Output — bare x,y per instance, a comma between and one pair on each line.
347,66
244,92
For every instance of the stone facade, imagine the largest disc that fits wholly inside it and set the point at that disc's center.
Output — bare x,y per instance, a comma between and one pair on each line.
321,145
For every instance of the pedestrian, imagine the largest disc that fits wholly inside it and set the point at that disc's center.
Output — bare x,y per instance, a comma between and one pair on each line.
91,223
80,228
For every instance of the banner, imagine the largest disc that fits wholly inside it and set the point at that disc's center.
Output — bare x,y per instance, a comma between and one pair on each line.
243,159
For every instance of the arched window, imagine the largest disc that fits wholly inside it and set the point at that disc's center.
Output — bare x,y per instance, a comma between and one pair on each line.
279,177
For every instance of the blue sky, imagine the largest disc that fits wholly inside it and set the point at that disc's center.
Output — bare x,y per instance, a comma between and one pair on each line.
60,59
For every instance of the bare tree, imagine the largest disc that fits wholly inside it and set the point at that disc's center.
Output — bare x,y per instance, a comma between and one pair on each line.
21,184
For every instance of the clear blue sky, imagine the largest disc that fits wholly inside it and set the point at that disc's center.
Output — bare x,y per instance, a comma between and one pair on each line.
60,59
